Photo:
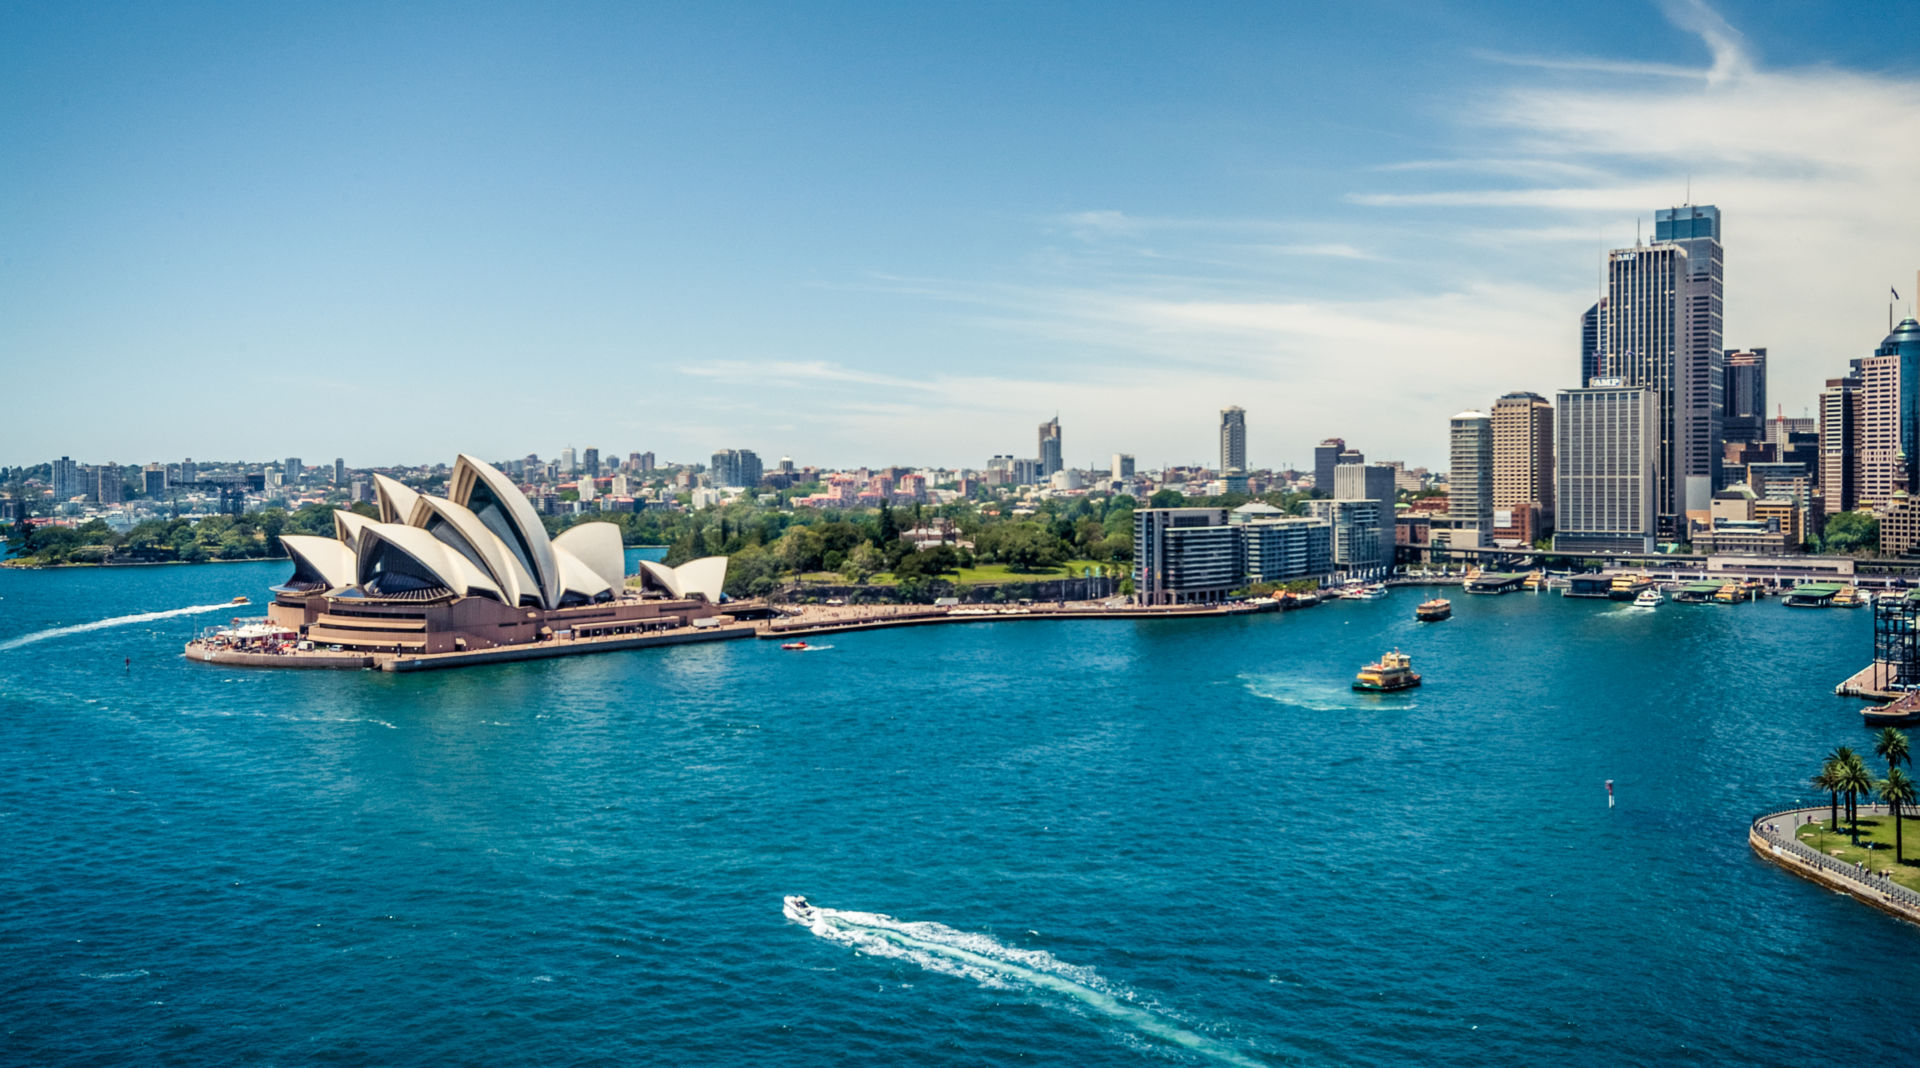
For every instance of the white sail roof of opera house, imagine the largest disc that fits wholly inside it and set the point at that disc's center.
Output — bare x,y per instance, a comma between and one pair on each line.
482,539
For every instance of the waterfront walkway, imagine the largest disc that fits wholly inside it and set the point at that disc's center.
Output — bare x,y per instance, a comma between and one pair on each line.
1772,836
809,620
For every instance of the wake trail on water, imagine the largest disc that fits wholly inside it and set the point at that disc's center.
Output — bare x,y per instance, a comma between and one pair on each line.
939,948
116,621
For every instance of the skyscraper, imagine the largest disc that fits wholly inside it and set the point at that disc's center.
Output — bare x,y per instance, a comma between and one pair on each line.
566,460
1745,394
645,463
1049,454
1606,439
1592,345
1122,465
1233,441
1650,305
189,473
339,471
1470,480
736,467
293,471
1326,456
1370,482
1696,228
591,461
1522,467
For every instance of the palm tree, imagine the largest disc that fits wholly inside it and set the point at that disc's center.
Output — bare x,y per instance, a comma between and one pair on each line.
1855,780
1896,790
1891,745
1828,779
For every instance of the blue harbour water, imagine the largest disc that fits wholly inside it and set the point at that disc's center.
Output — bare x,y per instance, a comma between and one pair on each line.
1058,843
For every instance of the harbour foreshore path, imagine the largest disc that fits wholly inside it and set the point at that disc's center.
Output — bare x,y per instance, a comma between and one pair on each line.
1772,836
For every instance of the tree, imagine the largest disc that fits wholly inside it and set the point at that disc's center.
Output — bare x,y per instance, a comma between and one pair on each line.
1851,532
1891,746
861,563
1897,790
1854,780
1828,780
1167,498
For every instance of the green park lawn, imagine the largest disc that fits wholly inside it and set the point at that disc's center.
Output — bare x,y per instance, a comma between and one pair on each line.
1877,831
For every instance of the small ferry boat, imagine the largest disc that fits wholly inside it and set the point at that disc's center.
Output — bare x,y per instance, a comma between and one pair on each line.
1848,597
1433,611
793,645
1649,598
1393,671
242,599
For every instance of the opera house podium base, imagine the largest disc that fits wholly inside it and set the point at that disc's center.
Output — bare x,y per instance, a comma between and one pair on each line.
387,661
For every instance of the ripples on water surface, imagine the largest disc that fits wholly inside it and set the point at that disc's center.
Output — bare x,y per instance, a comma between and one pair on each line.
1177,842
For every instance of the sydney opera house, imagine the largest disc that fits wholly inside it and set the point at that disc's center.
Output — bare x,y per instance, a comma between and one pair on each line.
473,571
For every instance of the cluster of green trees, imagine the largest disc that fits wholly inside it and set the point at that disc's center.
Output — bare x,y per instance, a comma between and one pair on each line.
217,537
1849,532
1844,774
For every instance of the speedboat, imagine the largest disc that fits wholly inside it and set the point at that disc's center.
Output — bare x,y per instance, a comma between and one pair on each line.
799,909
1649,598
793,645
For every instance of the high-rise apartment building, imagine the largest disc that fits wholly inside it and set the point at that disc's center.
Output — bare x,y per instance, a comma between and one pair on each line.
1470,479
1049,454
1233,441
1592,342
646,463
153,481
1370,482
66,479
736,467
1326,456
1122,465
591,461
1606,444
1186,555
189,471
1745,395
567,461
1839,438
1876,436
107,487
339,471
1522,467
293,471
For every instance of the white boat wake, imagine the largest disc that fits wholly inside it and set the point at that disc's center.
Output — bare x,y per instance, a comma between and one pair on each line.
116,621
939,948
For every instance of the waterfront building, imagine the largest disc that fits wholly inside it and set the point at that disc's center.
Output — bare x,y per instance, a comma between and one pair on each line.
1650,301
1470,480
1900,525
1049,452
1280,547
472,571
736,468
1326,456
1522,426
1745,395
1605,449
1358,529
1592,346
1185,555
1122,465
1233,441
1369,482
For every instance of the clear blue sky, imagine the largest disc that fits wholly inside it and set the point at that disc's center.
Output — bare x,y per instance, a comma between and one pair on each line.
901,233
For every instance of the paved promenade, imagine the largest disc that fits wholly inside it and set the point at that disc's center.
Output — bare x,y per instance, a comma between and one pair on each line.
1772,836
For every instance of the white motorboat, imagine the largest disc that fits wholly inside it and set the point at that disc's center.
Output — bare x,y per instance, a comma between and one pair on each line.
799,910
1649,598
